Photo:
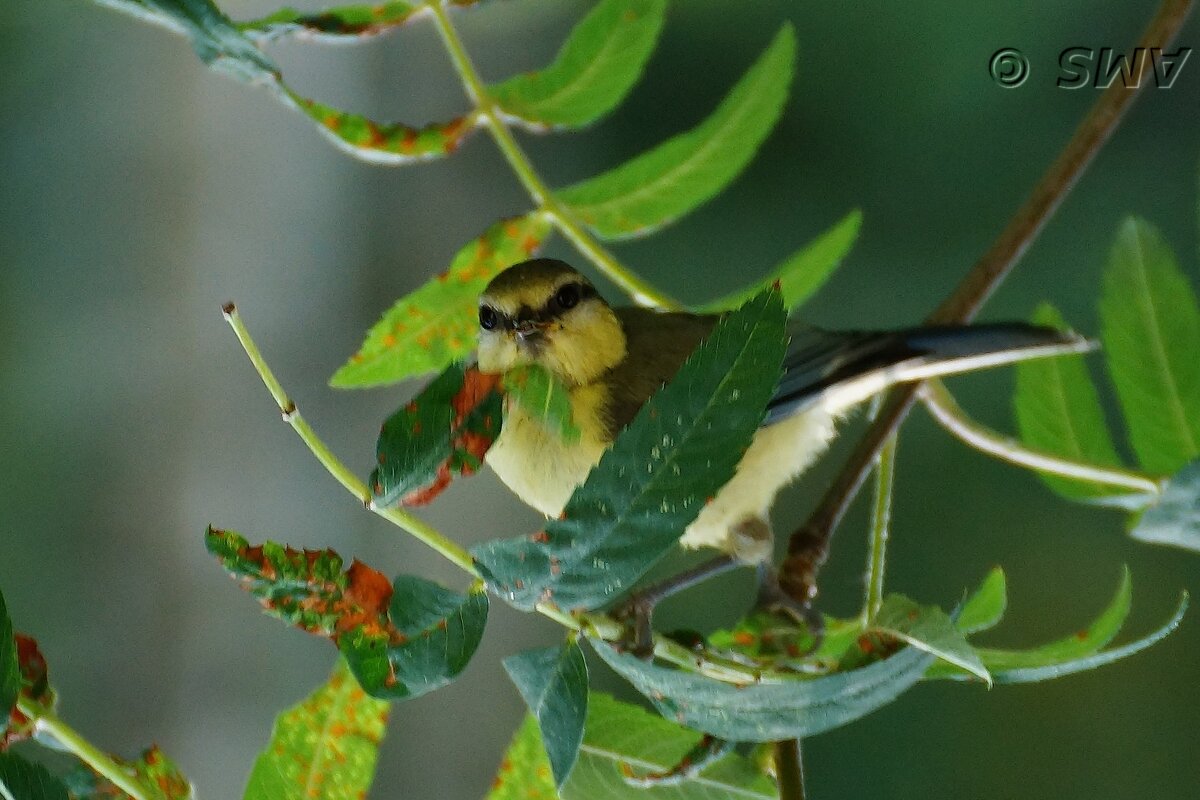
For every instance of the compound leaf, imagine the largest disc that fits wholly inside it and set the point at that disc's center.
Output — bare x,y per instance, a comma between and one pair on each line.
682,447
436,324
675,177
1151,331
325,747
554,684
596,67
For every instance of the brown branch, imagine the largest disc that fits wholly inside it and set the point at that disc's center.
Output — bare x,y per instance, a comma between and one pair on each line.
809,544
789,769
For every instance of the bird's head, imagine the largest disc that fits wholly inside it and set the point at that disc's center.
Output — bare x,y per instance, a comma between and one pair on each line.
544,312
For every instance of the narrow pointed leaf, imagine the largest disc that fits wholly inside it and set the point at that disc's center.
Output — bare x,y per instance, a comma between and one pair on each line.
985,608
388,143
777,706
1151,333
436,324
684,172
804,272
154,771
544,398
680,449
930,629
1175,518
323,748
428,639
334,23
1058,411
216,40
10,671
596,67
442,432
554,684
25,780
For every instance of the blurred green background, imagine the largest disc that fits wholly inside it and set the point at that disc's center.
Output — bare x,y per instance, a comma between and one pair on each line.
139,191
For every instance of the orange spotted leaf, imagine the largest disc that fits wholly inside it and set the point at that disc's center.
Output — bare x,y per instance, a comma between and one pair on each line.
158,775
333,23
436,325
35,689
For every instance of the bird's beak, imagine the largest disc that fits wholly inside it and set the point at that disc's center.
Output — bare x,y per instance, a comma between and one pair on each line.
528,330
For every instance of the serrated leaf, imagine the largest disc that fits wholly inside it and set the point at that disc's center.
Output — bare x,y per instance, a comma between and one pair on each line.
1058,411
24,780
680,449
333,23
554,684
323,748
444,431
387,143
775,707
985,607
10,671
1151,331
682,173
216,40
544,398
597,66
930,629
437,324
1175,518
158,775
428,639
802,273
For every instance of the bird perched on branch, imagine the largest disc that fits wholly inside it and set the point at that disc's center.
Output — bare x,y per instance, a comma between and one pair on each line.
612,360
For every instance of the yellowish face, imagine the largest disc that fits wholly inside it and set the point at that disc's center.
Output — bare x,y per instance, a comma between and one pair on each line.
543,312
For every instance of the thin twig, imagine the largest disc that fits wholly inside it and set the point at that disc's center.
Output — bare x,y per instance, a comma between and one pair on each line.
881,520
789,769
942,406
809,544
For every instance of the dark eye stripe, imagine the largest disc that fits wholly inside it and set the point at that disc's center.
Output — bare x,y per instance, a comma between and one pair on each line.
553,310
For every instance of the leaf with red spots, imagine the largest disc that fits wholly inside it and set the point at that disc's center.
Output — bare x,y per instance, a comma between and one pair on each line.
436,325
679,175
25,780
402,639
389,143
680,449
157,774
595,69
323,748
554,684
216,39
35,689
442,432
333,23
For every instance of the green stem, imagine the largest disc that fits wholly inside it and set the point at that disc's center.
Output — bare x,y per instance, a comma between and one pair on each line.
789,769
69,738
558,214
291,415
881,517
949,414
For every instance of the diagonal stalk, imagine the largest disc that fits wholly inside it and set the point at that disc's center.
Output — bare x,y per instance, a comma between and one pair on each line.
560,215
881,519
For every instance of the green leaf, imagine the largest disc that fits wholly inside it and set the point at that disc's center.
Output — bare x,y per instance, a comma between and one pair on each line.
554,684
985,608
24,780
1151,331
802,273
1175,518
216,40
426,642
777,706
157,774
10,671
333,23
675,177
524,773
1058,411
544,398
680,449
325,747
436,324
443,431
930,629
596,67
35,691
388,143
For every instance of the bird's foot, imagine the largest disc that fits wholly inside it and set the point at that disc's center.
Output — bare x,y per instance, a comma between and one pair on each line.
772,597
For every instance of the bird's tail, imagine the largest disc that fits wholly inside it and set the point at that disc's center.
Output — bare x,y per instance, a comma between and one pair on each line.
840,370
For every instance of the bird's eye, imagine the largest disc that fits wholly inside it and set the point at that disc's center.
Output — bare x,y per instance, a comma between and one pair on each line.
568,296
488,318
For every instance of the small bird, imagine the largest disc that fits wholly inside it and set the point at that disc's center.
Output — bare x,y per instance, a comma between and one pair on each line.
611,360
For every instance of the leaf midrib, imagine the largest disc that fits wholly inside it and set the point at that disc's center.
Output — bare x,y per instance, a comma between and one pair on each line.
612,755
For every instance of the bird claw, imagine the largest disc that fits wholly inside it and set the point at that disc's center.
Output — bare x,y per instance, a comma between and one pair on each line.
772,598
